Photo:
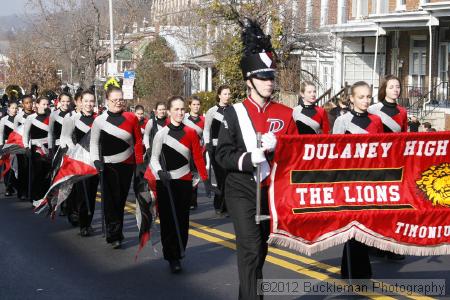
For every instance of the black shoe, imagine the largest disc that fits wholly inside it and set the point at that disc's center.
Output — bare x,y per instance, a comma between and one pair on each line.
377,252
86,231
175,266
395,256
8,194
23,198
116,244
73,219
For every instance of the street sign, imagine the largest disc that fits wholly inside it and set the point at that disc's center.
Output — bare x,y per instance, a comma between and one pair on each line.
128,81
112,68
129,74
127,92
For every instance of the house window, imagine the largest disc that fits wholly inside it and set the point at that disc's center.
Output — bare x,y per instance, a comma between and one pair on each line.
342,12
360,67
418,62
311,70
323,12
380,7
443,62
309,13
400,5
360,8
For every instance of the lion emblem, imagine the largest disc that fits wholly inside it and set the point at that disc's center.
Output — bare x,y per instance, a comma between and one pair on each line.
435,183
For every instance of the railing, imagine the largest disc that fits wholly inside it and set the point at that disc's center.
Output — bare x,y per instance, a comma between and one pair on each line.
343,93
411,94
425,104
324,98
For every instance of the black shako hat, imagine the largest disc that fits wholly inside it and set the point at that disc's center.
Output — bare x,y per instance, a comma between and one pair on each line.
258,59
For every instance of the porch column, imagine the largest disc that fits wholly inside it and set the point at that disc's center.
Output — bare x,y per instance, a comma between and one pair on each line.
202,79
209,82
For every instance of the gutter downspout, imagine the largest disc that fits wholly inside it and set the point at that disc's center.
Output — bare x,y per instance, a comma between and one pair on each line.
374,70
432,22
375,60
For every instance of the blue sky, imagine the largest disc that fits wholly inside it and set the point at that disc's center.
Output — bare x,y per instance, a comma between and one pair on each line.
12,7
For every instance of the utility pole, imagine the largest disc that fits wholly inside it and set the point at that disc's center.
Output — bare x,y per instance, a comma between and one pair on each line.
111,36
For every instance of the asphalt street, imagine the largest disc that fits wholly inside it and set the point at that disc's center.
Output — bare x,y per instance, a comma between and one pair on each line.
42,258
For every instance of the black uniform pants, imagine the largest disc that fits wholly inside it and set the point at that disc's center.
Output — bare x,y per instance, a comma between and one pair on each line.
40,183
359,261
10,181
86,189
22,180
220,173
117,181
251,239
182,193
70,208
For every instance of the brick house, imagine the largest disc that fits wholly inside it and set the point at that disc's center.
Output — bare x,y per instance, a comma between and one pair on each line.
372,38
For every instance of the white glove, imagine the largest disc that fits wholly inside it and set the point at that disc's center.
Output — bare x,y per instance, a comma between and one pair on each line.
258,156
269,141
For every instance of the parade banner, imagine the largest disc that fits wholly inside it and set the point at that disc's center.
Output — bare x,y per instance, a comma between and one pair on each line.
390,191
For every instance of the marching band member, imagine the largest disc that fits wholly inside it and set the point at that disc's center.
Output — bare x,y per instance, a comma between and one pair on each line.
310,118
393,116
69,207
197,122
173,147
214,117
7,125
153,125
139,113
357,121
395,119
238,154
35,133
56,122
75,128
116,148
22,161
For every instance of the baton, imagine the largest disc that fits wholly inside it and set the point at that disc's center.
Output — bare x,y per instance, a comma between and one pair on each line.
172,207
258,216
29,172
102,190
102,187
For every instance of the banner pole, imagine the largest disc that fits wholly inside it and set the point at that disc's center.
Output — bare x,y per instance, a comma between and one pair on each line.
258,183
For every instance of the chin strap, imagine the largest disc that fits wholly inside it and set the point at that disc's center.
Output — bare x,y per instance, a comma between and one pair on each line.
259,94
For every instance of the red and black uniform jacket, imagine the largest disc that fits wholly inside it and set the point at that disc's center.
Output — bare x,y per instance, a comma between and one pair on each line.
237,139
393,116
357,123
311,119
117,138
172,150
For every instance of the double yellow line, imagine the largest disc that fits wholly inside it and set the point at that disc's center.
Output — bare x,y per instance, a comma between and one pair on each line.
307,267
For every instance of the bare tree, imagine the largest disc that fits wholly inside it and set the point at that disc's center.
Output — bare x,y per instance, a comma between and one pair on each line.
279,20
74,29
29,65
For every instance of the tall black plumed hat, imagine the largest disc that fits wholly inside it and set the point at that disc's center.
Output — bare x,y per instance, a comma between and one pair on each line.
34,90
258,60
